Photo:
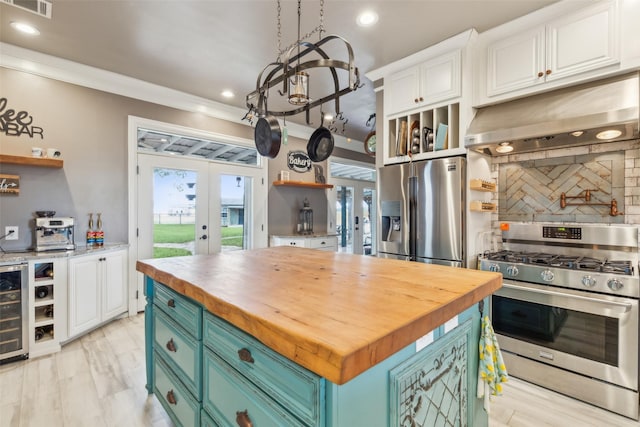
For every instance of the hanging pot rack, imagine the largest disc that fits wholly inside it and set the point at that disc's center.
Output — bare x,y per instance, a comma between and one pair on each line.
281,72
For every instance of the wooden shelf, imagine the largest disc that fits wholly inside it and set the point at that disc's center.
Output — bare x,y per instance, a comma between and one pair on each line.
31,161
478,206
482,185
301,184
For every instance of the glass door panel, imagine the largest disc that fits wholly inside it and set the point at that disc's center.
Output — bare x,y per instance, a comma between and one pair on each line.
174,212
368,221
345,218
234,210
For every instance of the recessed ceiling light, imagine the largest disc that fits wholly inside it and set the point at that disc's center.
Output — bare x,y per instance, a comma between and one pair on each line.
608,134
577,133
227,93
504,147
25,28
367,18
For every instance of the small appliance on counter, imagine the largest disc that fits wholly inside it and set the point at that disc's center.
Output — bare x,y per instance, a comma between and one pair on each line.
54,234
305,219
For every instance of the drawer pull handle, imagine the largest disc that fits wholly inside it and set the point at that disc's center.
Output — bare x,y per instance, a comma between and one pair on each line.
242,418
171,346
245,355
171,303
171,398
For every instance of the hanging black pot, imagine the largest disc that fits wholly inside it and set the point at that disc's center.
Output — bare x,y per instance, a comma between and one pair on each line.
320,144
267,136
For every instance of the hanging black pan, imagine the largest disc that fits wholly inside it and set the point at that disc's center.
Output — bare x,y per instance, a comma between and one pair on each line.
321,143
267,134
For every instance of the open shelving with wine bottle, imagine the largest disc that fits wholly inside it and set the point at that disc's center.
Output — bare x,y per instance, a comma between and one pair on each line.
47,305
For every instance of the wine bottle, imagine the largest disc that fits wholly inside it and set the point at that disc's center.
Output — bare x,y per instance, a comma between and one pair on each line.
91,236
99,234
42,292
39,333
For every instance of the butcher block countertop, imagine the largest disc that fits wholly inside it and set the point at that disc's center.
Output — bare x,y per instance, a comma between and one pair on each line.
334,314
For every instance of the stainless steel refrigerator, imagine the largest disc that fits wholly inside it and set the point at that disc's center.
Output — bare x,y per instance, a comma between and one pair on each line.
421,209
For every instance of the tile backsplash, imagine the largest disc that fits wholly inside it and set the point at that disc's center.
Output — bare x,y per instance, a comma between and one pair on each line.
530,184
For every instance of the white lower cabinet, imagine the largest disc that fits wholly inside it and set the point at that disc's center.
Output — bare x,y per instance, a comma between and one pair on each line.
97,289
325,243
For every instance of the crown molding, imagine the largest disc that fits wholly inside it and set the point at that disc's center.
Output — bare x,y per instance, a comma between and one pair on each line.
29,61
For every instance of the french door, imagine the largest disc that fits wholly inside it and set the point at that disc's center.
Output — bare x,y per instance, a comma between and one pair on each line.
355,216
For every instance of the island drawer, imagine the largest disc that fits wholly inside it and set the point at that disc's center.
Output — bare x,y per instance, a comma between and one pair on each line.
206,420
180,350
184,311
176,400
230,398
297,389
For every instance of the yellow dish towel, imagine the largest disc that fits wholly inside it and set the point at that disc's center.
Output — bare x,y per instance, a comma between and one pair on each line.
491,370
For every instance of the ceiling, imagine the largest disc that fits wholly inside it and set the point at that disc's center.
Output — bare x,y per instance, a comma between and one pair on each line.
204,47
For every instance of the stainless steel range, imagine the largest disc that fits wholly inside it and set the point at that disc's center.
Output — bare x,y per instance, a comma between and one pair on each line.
567,315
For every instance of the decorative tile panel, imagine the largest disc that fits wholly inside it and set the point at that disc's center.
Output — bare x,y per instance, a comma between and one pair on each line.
530,190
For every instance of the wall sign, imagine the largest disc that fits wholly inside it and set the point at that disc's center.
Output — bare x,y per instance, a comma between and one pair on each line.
298,161
9,184
17,123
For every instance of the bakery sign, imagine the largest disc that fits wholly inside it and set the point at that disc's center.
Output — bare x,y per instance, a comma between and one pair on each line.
17,123
9,184
298,161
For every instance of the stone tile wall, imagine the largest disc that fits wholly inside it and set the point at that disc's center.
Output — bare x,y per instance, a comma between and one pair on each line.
530,184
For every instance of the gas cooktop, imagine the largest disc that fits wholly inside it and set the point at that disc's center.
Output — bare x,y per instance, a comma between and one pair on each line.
563,261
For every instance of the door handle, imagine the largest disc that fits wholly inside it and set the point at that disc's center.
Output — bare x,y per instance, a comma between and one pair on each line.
204,237
356,222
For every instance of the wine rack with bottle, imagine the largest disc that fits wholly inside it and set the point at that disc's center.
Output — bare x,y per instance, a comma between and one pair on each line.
47,323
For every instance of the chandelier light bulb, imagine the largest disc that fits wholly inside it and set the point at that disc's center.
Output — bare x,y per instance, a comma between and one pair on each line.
299,94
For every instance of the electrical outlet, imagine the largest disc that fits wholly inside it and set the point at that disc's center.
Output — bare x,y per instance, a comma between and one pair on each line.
11,232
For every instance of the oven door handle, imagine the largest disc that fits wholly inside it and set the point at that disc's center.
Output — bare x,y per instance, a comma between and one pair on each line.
617,308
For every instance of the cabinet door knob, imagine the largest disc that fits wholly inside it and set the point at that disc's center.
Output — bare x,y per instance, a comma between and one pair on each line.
548,72
171,398
243,420
415,100
421,99
245,355
540,74
171,346
171,303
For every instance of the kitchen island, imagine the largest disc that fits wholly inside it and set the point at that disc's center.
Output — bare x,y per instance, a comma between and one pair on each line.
292,336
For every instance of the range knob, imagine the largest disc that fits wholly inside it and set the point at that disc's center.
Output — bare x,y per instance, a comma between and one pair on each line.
547,275
512,270
588,281
614,284
494,267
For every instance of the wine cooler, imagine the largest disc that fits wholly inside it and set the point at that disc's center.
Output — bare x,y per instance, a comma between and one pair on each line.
14,342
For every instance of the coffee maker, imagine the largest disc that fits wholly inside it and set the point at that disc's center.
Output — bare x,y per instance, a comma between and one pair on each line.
54,234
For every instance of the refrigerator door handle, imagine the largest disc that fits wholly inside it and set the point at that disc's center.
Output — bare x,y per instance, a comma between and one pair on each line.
413,216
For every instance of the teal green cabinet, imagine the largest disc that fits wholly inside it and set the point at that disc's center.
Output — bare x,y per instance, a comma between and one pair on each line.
207,372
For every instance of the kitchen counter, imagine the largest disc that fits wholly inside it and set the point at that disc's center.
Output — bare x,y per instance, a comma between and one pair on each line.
15,257
334,314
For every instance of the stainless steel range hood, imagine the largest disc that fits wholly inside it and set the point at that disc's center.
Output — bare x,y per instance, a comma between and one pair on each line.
562,118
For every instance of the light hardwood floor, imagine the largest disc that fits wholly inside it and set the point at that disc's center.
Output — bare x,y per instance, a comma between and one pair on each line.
98,380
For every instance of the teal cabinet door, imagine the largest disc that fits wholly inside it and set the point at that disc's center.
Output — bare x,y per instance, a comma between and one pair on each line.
435,387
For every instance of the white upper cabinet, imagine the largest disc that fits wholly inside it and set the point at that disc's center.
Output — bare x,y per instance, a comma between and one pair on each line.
428,83
563,49
583,41
404,91
516,62
440,78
